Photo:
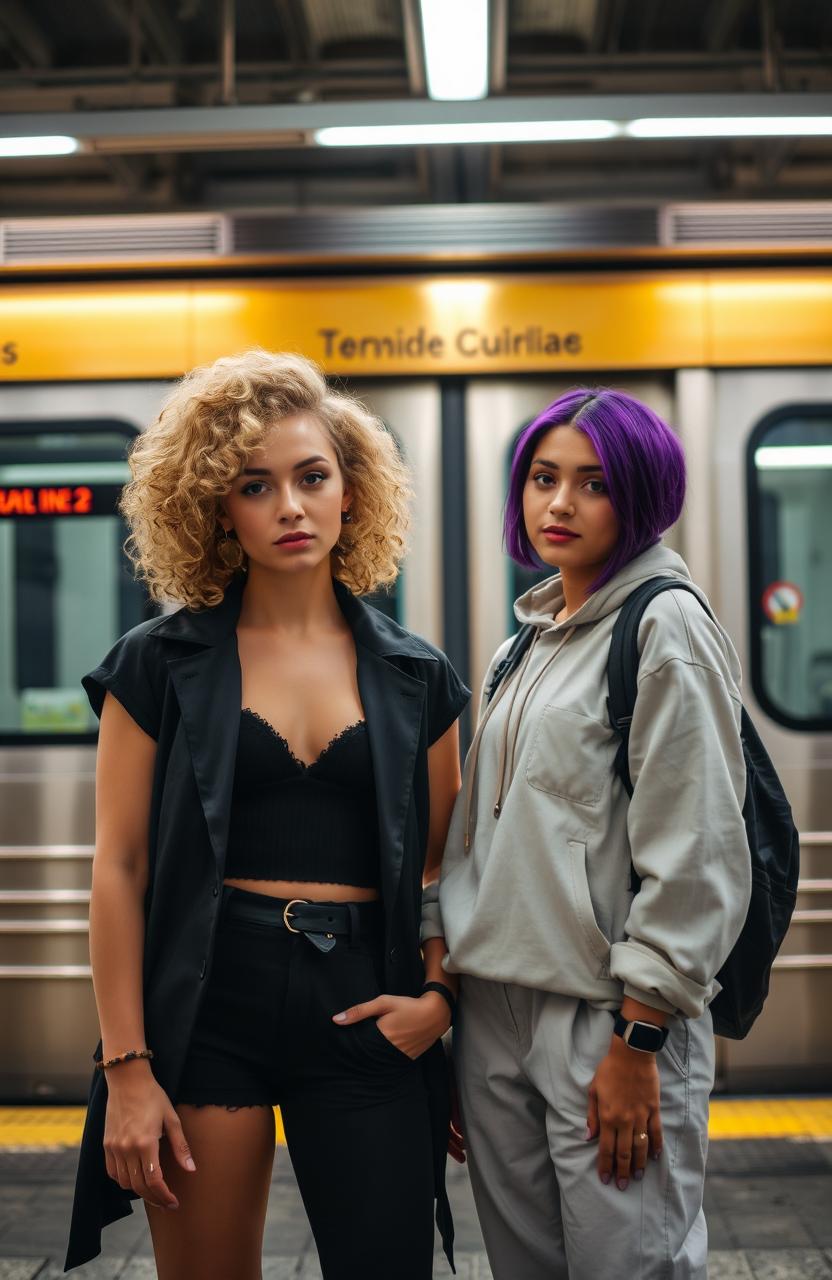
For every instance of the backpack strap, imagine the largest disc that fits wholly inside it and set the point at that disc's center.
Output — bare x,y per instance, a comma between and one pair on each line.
622,676
512,660
622,665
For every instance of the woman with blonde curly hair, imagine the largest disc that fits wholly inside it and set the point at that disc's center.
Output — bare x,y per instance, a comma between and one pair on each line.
277,765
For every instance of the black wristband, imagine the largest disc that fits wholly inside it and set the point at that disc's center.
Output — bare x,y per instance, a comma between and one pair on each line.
446,994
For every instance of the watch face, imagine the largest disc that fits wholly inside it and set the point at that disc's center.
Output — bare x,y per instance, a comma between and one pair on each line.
646,1037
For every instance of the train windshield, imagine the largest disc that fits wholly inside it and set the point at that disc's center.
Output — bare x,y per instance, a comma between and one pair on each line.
67,590
790,541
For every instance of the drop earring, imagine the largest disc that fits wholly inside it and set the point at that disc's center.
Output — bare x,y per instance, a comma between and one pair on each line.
229,549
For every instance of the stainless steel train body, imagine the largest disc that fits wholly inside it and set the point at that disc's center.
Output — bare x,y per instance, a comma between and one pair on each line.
65,594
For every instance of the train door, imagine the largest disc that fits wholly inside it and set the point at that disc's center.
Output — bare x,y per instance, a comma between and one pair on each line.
772,584
66,593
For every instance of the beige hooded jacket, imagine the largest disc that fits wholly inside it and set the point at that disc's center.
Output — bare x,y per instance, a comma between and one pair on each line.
535,884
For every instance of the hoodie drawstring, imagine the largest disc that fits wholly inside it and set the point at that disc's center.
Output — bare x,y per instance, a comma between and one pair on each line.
510,732
501,764
518,720
474,752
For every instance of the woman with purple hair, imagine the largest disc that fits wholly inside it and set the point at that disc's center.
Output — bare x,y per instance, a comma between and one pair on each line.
584,1044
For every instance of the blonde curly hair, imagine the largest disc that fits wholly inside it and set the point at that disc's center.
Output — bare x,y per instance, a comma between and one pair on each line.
186,460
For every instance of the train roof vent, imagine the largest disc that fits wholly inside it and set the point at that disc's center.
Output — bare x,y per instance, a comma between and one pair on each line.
798,223
438,230
111,239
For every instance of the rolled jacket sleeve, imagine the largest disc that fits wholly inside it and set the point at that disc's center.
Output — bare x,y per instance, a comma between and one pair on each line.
447,696
687,838
131,675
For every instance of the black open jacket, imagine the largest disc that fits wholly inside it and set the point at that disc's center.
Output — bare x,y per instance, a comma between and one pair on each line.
179,678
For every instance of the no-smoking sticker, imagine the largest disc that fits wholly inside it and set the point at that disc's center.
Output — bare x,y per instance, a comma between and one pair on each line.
782,602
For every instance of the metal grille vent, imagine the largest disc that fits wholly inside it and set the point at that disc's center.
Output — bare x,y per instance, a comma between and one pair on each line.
56,240
412,231
435,230
771,224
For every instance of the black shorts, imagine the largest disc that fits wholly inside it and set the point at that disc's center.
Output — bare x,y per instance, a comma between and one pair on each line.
354,1107
265,1028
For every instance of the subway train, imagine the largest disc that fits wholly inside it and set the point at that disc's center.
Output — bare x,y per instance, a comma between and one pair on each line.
736,358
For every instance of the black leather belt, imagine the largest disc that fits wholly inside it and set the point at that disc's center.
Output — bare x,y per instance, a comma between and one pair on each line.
321,922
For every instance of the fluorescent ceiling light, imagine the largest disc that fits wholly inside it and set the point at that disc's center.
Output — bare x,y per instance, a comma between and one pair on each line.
54,145
774,457
728,126
455,36
412,135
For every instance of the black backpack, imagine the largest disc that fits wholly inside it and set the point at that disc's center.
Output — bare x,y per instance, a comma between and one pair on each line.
772,836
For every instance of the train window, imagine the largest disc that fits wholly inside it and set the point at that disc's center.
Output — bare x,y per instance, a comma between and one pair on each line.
67,590
789,469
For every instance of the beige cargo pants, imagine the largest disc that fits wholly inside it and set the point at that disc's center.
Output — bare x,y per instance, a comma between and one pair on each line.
524,1062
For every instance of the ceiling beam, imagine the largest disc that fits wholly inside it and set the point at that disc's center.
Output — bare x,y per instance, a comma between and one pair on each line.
228,52
648,14
223,128
612,18
414,48
301,43
598,40
158,27
161,28
414,52
386,76
770,50
722,19
498,46
489,171
22,37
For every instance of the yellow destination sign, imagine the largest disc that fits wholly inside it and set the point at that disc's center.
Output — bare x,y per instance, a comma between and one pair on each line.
418,325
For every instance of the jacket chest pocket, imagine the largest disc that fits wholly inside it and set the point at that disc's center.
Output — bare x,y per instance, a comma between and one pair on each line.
571,756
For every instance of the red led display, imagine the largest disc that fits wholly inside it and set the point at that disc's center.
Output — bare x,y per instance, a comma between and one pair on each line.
20,501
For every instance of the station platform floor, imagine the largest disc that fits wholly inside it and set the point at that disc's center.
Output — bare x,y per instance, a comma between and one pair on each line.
768,1200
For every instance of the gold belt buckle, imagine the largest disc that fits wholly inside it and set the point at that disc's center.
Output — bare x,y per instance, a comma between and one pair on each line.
296,902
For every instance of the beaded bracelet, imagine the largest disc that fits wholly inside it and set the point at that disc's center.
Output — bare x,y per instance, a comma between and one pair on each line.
446,994
124,1057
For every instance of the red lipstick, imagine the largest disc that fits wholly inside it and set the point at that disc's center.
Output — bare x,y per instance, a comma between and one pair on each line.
558,534
297,539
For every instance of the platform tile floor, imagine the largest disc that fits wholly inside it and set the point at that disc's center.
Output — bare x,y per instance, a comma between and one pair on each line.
768,1201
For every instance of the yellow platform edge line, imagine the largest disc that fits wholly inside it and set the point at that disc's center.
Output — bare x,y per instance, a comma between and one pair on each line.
771,1118
731,1118
62,1126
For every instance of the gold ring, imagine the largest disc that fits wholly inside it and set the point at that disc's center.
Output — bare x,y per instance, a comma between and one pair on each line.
642,1137
296,902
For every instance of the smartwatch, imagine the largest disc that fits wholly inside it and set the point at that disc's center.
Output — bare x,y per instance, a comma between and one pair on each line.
644,1036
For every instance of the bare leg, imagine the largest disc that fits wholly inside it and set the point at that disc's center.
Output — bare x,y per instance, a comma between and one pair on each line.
217,1231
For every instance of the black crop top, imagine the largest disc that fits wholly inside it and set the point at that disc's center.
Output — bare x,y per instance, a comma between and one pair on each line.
293,821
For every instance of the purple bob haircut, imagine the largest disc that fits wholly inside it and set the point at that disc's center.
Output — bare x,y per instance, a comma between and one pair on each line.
642,462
